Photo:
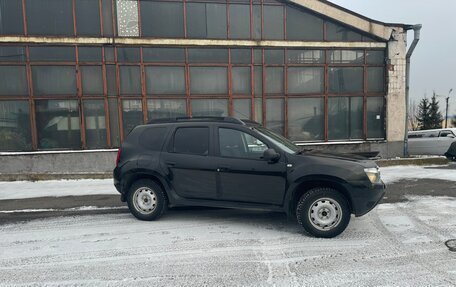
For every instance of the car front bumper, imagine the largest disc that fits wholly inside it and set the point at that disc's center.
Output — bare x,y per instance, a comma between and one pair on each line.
365,198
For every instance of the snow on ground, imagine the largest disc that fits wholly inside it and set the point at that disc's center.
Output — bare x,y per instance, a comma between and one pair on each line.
398,244
58,188
396,173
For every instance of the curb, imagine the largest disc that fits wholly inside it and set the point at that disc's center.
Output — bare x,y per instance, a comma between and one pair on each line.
413,161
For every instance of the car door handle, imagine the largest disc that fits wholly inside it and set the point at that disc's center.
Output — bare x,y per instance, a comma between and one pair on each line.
170,163
223,168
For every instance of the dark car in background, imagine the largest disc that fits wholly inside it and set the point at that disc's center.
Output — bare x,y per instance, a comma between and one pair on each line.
232,163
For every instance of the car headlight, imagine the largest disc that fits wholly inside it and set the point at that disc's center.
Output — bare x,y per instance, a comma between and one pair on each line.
373,174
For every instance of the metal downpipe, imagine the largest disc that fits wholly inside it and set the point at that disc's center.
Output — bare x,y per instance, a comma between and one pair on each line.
416,39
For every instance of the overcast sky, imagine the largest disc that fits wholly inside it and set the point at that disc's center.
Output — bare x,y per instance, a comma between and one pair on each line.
433,65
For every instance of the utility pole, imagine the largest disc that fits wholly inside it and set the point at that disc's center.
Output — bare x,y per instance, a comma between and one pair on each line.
446,113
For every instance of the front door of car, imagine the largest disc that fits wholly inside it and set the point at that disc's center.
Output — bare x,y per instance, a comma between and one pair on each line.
190,163
242,173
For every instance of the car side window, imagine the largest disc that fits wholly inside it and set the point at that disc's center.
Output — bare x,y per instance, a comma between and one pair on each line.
445,134
234,143
192,140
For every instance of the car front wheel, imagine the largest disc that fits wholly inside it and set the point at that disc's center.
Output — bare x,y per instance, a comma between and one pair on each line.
323,212
146,200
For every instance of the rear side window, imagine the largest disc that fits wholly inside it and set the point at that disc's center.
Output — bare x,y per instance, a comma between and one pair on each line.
191,141
153,138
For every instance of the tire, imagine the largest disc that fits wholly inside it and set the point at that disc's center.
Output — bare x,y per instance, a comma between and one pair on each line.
450,157
323,212
146,200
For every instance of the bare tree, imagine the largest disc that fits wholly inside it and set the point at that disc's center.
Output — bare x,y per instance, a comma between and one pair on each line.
412,116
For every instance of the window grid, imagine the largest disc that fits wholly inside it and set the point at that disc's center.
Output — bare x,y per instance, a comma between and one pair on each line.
110,15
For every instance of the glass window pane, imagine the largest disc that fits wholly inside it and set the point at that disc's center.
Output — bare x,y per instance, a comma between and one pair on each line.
241,80
111,81
305,80
57,123
273,56
306,119
206,20
191,141
54,54
92,80
90,54
375,57
12,54
208,80
376,79
88,18
15,134
305,57
165,80
274,80
216,21
237,144
346,57
375,117
256,14
109,54
258,56
162,19
125,54
107,17
356,118
208,55
13,81
114,122
196,20
258,81
241,108
259,110
239,21
153,138
345,118
130,80
95,123
303,26
273,22
345,80
339,33
162,109
11,18
127,18
50,17
54,80
131,115
164,55
210,107
241,56
275,115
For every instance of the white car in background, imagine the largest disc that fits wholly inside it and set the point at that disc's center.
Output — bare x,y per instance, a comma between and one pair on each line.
433,142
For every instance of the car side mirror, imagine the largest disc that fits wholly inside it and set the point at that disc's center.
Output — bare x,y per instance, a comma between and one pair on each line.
450,136
271,155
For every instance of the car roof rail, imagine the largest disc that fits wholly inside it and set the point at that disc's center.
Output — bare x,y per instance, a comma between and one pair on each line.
250,122
198,118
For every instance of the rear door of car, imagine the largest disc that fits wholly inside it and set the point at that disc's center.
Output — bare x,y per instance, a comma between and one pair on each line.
190,162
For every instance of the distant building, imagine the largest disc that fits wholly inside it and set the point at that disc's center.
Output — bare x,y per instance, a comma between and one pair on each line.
80,74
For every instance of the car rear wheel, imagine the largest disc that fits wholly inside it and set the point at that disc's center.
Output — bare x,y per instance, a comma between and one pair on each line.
323,212
146,200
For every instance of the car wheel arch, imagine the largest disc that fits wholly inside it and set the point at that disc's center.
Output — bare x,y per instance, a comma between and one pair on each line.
307,183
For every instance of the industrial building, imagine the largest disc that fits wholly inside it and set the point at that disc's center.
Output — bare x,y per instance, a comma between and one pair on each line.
78,75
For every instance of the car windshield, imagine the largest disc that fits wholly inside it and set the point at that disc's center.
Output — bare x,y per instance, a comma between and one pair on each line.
280,141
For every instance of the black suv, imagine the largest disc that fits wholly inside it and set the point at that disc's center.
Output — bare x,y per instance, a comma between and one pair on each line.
227,162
